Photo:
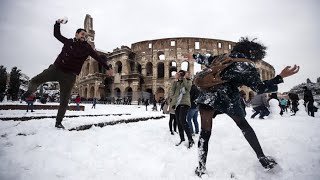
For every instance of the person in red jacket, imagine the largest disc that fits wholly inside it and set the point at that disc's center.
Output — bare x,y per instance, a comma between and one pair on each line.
78,101
30,100
66,67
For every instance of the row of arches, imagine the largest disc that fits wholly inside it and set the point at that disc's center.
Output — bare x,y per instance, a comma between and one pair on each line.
136,67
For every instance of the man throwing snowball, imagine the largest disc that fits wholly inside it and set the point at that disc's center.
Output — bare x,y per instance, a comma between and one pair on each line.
66,67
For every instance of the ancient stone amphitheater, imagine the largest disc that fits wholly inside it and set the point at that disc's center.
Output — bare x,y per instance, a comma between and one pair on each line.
144,70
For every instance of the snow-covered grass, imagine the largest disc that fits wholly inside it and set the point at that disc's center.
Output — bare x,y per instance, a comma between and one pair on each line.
146,150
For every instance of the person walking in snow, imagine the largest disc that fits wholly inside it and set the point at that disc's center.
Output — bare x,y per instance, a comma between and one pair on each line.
220,94
94,102
78,101
30,100
283,106
294,102
308,100
66,67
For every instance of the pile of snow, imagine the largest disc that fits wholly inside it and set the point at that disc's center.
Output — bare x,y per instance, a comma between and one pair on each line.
35,150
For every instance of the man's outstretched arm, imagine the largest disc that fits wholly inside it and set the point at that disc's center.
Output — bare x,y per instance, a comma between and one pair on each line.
57,33
101,59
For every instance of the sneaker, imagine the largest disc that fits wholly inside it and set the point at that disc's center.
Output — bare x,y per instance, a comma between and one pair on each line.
172,133
261,118
178,144
59,125
267,162
200,171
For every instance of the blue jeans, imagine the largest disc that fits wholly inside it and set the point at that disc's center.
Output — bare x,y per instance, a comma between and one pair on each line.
193,114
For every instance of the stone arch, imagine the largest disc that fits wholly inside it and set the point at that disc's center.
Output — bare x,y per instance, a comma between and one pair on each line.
139,68
85,95
160,55
149,69
91,92
132,66
87,68
118,67
107,92
128,92
102,93
160,70
149,94
117,92
185,66
172,67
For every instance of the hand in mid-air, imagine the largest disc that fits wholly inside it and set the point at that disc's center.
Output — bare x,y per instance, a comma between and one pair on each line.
289,71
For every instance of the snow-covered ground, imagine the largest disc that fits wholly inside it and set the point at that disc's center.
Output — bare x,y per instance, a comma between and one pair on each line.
146,150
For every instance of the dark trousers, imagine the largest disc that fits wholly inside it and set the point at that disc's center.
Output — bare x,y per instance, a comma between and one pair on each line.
262,110
310,108
207,114
183,126
173,121
30,106
66,81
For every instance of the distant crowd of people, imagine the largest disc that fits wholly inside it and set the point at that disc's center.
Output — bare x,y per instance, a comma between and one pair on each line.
260,104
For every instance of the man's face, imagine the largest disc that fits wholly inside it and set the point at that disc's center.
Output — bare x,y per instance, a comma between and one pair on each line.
82,36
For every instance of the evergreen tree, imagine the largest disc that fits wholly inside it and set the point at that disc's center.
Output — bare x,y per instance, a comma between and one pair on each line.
14,84
3,82
318,80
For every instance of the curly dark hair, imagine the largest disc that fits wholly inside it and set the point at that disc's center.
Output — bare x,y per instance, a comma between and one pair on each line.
250,49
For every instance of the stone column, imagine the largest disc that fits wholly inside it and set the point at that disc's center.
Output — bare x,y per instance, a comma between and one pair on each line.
88,91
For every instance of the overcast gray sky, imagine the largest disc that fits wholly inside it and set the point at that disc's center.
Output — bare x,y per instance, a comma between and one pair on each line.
289,28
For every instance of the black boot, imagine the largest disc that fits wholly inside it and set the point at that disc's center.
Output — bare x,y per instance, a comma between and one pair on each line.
203,152
199,171
191,143
267,162
59,125
178,144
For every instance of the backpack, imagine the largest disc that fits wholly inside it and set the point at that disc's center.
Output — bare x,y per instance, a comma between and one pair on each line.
210,77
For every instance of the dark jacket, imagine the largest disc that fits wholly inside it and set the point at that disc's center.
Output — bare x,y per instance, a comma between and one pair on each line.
226,98
308,97
194,93
74,53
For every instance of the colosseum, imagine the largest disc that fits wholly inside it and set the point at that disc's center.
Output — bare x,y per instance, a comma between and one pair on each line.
145,69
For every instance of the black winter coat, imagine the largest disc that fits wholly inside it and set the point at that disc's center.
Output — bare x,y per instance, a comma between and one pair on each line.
74,53
308,97
226,97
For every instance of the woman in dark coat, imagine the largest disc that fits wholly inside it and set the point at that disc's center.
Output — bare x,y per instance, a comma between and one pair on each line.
225,97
